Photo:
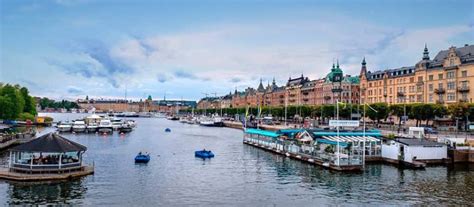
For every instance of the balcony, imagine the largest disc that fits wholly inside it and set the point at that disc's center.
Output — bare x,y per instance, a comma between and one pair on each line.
463,89
401,94
419,83
327,97
440,90
463,100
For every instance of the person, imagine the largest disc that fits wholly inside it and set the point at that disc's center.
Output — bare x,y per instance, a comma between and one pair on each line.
204,150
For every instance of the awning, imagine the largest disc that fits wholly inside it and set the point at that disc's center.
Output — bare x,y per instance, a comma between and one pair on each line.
262,132
351,138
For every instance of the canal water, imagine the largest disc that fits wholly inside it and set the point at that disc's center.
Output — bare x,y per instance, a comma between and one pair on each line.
239,175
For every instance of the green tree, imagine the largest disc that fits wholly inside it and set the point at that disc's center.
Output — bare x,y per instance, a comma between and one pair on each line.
381,113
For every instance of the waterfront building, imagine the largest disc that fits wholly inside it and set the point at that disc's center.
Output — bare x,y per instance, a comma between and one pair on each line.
444,79
50,153
148,105
414,151
340,152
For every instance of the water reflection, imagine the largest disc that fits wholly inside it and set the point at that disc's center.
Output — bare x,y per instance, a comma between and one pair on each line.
68,192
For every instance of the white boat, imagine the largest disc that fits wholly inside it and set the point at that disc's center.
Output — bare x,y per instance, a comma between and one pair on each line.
206,121
159,115
131,123
79,126
92,127
105,126
64,127
116,123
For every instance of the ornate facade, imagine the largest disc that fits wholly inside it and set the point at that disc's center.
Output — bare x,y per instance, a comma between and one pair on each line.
444,79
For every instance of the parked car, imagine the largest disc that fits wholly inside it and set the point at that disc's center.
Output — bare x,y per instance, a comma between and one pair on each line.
429,130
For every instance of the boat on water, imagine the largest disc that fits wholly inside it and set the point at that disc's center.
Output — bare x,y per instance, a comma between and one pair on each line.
167,130
64,127
211,121
92,127
142,158
173,118
125,128
131,122
159,115
79,126
105,126
116,123
204,154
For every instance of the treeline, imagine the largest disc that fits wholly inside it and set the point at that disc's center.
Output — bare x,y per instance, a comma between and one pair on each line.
378,111
49,103
16,103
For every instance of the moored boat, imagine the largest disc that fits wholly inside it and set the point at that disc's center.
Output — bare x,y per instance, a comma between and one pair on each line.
79,126
92,127
105,126
64,127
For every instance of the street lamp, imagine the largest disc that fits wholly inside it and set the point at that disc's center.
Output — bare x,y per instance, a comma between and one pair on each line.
363,132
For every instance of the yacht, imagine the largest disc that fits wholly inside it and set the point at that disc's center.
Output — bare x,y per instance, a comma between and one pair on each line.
159,115
79,126
116,123
92,127
125,127
131,122
105,126
64,127
206,121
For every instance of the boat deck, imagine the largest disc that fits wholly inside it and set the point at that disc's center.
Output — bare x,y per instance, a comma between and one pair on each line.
6,174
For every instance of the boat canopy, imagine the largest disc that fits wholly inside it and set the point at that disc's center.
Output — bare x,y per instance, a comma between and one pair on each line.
351,138
331,142
262,132
290,132
372,133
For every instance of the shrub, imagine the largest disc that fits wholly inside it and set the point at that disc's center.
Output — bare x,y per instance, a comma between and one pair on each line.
48,119
26,116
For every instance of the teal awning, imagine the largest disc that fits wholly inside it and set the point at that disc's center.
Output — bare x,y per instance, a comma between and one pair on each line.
325,141
372,133
262,132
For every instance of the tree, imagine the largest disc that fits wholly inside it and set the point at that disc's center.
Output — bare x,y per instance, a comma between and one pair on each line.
382,111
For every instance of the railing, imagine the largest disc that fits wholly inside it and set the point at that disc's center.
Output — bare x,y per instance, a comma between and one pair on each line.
440,90
463,89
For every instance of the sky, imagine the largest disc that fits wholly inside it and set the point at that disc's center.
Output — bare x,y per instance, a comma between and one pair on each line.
69,49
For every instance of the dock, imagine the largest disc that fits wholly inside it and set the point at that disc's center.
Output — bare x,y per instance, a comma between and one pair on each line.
308,159
7,174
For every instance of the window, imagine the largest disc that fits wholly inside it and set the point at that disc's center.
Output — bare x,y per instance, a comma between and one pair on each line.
430,98
412,98
411,89
451,62
380,91
450,75
412,80
430,87
440,85
419,98
430,77
451,96
420,78
390,90
464,83
451,86
464,73
440,76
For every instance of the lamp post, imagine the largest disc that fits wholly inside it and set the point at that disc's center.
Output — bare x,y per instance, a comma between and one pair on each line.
363,133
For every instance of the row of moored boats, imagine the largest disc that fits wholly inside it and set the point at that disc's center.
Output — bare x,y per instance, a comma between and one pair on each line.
95,123
214,121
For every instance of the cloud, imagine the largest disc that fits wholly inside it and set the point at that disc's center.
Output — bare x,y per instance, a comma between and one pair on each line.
184,74
74,90
162,78
235,80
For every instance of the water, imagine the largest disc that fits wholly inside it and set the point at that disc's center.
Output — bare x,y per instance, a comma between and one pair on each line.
238,175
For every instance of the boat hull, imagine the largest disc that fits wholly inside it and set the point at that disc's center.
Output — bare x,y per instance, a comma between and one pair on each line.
204,154
142,159
105,129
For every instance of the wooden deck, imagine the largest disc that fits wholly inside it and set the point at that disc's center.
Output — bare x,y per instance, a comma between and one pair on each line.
6,174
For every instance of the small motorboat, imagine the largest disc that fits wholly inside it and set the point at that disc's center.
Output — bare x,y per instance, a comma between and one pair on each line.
142,158
167,130
204,154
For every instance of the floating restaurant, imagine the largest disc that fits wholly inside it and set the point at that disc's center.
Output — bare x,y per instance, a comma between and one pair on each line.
343,151
49,157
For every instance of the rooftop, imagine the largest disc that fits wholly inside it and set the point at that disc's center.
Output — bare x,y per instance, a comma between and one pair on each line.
419,142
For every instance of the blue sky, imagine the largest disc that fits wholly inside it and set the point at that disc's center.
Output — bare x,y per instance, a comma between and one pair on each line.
72,48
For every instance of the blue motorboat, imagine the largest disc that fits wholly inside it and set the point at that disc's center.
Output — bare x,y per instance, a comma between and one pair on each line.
142,158
167,130
204,154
